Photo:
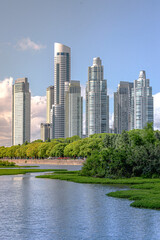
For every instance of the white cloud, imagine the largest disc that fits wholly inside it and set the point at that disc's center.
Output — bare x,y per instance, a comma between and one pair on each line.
157,111
38,113
27,44
5,111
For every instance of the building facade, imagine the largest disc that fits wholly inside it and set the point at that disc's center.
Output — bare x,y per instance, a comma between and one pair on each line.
141,102
122,107
62,55
97,100
45,131
73,109
21,111
50,101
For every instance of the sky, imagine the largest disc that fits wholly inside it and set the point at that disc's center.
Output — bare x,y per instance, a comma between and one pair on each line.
125,34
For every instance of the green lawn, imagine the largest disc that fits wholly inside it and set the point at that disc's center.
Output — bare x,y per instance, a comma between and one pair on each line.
145,192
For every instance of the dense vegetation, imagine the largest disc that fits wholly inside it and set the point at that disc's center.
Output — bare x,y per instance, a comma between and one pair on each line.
130,154
70,147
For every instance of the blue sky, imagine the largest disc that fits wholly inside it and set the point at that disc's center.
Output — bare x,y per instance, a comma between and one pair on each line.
125,34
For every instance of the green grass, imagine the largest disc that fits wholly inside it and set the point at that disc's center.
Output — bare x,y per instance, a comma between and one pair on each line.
145,192
17,166
23,171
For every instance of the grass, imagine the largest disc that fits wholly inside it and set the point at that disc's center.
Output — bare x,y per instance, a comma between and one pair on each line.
17,166
145,192
23,171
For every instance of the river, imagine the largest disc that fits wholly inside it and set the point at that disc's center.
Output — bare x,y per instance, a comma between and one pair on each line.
44,209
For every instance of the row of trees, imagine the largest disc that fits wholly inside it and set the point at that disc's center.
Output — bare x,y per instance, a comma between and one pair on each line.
70,147
133,153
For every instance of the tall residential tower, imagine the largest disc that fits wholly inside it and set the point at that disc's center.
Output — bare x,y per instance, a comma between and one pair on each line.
21,113
122,107
73,109
50,101
62,75
97,100
141,102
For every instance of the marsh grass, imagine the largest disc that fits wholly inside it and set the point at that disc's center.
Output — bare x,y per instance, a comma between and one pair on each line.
145,192
23,171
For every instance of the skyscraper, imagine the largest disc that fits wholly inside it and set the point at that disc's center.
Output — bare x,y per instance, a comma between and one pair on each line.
97,100
73,109
141,102
45,131
21,99
122,107
50,101
61,76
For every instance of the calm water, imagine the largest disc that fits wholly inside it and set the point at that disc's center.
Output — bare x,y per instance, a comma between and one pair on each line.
44,209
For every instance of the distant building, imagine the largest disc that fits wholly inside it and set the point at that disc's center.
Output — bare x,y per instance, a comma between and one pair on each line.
97,100
141,102
45,131
122,107
73,109
62,55
21,111
50,101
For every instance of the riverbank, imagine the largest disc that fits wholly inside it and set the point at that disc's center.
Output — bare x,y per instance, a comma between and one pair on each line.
24,171
145,192
47,161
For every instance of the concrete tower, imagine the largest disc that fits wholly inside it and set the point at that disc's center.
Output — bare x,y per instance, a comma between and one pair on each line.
73,109
21,113
141,102
50,101
122,107
62,75
97,100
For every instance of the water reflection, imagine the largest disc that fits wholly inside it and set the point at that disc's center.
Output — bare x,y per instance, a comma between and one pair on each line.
48,209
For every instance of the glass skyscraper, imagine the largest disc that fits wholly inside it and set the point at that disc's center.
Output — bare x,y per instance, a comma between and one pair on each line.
50,101
73,109
21,113
141,102
122,107
97,100
62,75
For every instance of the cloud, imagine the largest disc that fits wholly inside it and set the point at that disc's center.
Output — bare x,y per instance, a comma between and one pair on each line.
5,111
157,111
38,113
27,44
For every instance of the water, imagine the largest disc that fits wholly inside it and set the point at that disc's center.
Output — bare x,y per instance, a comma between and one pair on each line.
45,209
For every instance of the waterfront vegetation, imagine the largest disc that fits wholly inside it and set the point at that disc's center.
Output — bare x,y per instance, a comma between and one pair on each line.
145,193
129,158
24,171
7,164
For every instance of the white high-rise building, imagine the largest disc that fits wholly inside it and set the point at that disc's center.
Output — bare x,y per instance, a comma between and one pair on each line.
50,101
141,102
97,100
62,74
73,109
122,107
21,113
45,131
